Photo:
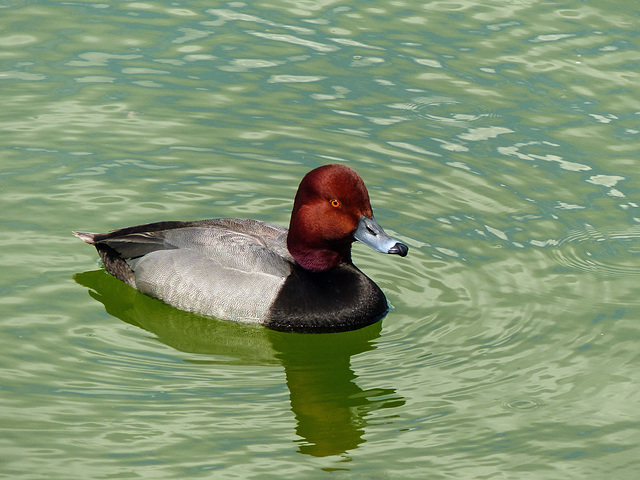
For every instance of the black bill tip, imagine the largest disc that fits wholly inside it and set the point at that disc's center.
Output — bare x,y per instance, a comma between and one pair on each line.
399,249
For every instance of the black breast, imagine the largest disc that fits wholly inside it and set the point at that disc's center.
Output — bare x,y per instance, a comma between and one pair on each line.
338,300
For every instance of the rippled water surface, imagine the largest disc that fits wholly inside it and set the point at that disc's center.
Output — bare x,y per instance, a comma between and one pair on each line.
499,140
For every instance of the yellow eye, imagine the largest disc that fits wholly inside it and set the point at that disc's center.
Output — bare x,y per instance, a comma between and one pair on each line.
336,203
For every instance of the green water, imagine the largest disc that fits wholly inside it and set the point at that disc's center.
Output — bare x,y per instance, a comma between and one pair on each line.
499,140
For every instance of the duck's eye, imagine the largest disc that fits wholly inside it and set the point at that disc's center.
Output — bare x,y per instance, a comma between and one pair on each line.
335,203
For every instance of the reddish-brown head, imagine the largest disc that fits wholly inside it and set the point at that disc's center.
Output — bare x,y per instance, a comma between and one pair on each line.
326,211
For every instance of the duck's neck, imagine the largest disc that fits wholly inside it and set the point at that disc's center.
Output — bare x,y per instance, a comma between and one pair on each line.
318,259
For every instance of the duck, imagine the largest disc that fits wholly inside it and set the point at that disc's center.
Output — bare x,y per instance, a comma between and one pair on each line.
300,279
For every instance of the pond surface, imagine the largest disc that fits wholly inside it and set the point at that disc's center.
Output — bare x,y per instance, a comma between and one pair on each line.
499,140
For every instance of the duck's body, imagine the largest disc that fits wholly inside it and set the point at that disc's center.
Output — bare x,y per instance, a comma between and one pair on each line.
300,279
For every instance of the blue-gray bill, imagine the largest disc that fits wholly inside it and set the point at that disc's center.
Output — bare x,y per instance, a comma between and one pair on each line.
371,234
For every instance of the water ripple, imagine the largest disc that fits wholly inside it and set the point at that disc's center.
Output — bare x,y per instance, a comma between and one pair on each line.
444,110
606,252
523,404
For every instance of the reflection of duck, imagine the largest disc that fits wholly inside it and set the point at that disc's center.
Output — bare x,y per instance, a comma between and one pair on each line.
298,279
330,408
329,405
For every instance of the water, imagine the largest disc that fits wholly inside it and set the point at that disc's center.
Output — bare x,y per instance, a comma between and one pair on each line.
498,140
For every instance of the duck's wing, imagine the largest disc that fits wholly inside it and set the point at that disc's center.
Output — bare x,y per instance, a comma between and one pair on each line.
244,244
234,242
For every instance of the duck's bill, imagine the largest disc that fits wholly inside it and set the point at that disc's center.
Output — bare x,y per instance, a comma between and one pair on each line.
371,234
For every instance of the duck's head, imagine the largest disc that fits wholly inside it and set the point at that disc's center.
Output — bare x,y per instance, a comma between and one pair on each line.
332,210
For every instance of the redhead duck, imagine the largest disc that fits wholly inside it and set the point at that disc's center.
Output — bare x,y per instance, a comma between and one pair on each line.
300,279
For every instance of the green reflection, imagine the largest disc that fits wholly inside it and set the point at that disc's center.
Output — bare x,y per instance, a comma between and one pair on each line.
329,406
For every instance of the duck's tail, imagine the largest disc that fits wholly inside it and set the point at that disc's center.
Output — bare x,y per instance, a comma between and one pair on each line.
87,237
113,261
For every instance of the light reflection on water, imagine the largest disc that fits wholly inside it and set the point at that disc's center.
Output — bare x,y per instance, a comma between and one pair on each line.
498,141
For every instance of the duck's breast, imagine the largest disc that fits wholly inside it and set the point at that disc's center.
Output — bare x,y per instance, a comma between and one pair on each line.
340,299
